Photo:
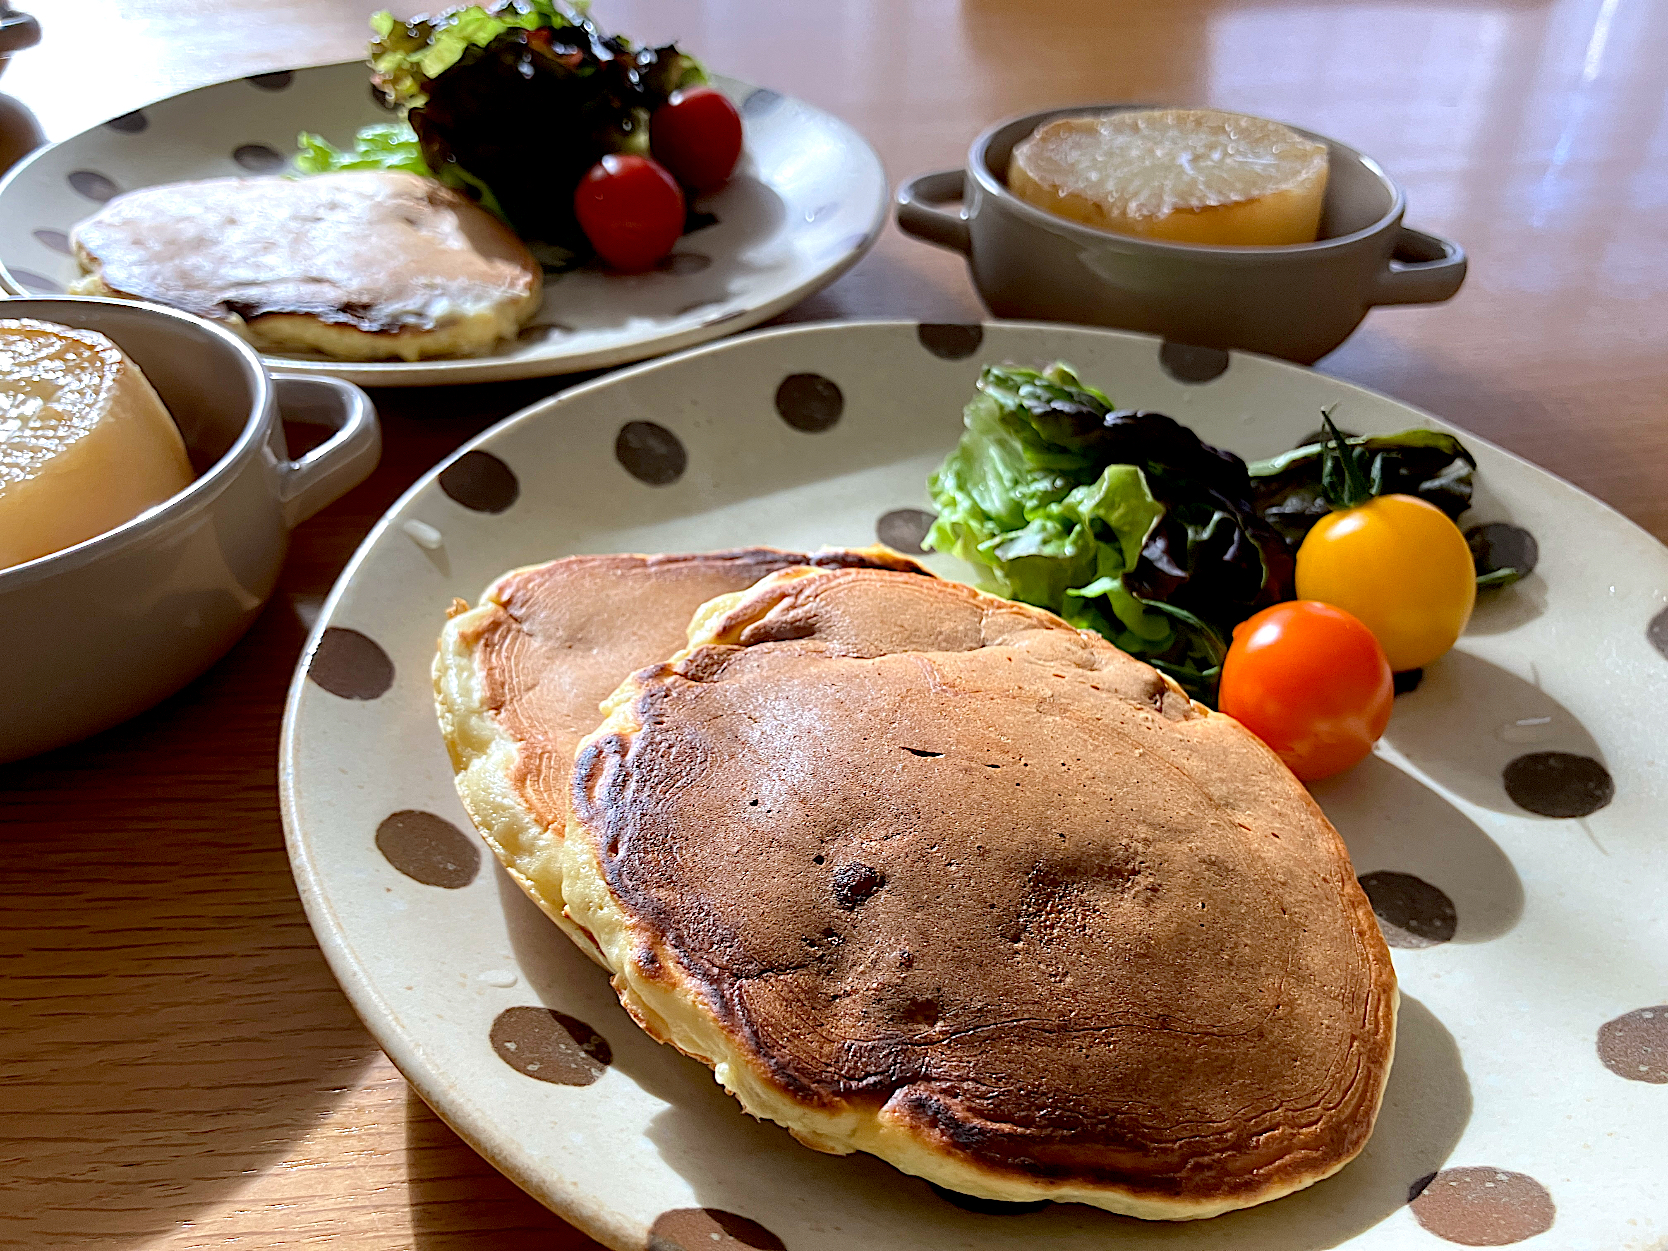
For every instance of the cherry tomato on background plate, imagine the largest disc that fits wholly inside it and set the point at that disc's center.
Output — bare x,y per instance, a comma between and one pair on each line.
697,135
1310,681
1401,567
631,210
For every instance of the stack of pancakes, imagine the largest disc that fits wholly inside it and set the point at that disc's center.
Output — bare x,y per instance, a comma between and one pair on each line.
929,874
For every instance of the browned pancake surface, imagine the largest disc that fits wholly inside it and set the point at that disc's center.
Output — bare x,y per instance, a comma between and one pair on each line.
562,636
380,252
946,859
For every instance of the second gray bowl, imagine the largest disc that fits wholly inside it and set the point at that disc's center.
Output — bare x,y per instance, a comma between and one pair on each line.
1298,301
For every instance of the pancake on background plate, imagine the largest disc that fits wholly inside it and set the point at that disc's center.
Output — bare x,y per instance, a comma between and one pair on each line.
359,266
520,679
929,874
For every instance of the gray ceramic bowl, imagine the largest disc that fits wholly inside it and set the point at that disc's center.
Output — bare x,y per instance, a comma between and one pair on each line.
1297,301
104,629
17,31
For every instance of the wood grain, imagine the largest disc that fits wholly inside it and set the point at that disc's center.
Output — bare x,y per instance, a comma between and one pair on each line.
180,1069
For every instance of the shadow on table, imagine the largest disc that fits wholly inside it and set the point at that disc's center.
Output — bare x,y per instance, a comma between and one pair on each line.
171,1026
459,1202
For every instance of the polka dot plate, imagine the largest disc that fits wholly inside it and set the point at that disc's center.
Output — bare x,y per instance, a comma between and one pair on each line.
1509,830
806,203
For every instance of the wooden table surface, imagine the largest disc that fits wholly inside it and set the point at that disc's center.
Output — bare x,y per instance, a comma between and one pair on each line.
180,1069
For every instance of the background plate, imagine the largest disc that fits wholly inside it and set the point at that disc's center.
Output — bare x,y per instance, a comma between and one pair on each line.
805,204
1532,1069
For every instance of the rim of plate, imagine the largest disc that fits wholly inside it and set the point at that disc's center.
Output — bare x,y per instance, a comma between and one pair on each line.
405,1052
450,371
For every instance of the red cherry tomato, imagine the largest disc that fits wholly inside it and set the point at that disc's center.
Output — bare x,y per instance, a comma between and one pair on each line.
630,209
697,135
1312,682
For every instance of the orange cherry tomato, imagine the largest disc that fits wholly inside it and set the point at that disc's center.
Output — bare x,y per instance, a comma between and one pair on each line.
1312,682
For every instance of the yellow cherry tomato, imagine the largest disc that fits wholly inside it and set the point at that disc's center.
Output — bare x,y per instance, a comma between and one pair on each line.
1401,567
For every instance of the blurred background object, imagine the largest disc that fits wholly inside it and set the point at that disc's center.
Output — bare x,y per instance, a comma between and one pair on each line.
19,132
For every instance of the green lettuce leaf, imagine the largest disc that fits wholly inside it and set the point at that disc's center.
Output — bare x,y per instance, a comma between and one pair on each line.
1122,522
405,55
389,145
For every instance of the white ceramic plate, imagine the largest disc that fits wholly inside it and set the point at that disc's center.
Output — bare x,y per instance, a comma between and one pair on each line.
806,203
1532,1067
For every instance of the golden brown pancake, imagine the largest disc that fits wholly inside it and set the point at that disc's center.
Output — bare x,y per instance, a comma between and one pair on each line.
362,265
519,679
930,874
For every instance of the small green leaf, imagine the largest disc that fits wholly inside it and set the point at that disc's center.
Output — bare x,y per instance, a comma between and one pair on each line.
1343,479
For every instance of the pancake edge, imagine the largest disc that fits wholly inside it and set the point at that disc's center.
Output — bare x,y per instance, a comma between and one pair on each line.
483,760
465,334
484,756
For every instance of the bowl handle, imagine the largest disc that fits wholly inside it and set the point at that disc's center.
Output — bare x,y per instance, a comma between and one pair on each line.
919,214
1423,269
342,461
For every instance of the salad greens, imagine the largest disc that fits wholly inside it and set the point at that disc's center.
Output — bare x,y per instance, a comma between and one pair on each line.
1127,523
388,145
1291,489
511,101
1121,521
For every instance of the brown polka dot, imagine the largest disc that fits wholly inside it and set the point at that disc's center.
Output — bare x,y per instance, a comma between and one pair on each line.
1657,632
761,100
36,284
951,341
258,158
550,1046
1407,680
348,664
1635,1046
650,453
1499,546
129,123
428,849
93,185
1410,911
1558,784
809,402
1187,363
1482,1207
989,1207
904,528
275,81
57,240
709,1229
479,480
